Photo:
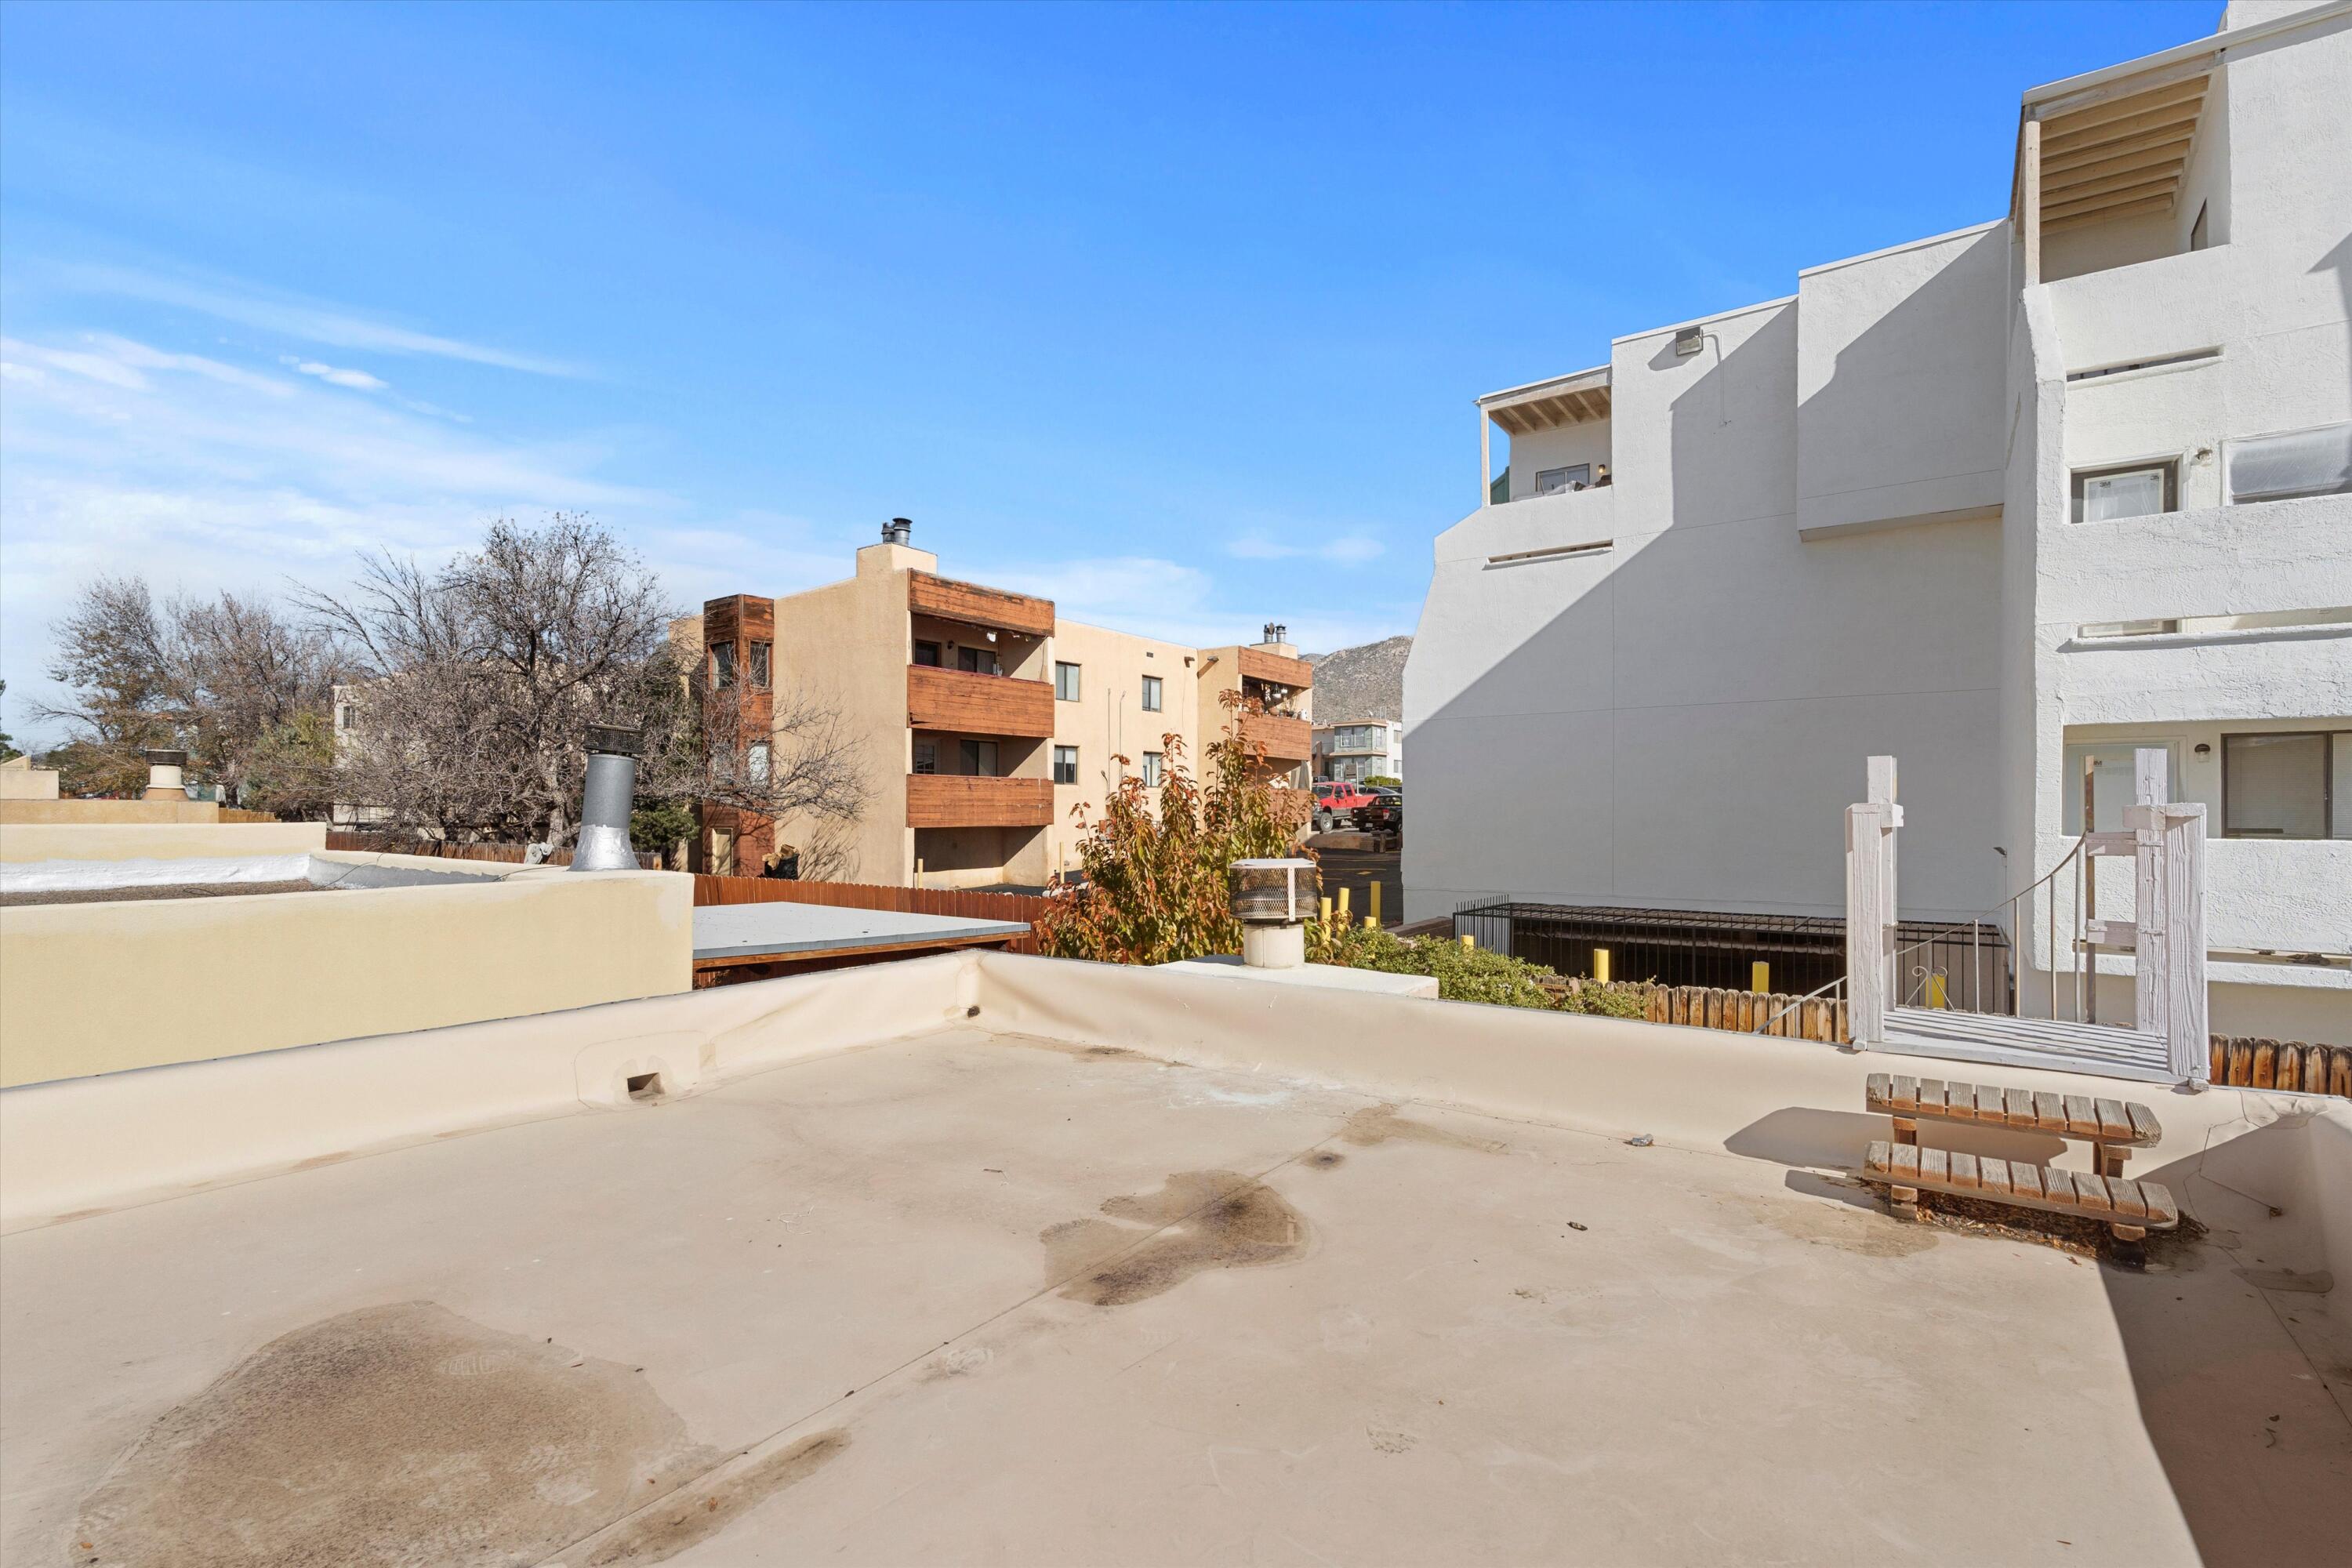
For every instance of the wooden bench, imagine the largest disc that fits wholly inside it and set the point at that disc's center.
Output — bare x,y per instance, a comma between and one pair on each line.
2112,1127
2131,1209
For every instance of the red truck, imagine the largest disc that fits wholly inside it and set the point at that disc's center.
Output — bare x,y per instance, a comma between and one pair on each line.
1337,802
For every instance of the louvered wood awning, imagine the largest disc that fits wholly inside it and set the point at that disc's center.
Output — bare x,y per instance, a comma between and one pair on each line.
1548,405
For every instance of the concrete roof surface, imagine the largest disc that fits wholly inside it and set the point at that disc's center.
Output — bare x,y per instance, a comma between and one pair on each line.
973,1297
735,931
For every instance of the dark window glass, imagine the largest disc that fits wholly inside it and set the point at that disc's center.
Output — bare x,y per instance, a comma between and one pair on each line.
760,661
1066,765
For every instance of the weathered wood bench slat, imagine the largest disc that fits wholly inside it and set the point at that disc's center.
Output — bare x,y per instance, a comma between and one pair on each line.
1964,1171
1931,1096
2120,1124
1992,1175
2131,1208
1935,1166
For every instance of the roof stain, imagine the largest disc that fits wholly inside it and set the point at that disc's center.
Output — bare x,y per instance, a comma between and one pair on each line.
393,1434
1381,1124
693,1514
1198,1219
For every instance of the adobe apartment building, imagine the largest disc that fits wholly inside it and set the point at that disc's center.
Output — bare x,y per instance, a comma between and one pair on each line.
986,720
2004,503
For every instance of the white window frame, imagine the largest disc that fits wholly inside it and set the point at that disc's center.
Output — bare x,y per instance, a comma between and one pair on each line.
1559,481
2168,470
1151,694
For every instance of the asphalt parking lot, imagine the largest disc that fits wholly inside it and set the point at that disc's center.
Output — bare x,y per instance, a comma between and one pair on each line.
1356,870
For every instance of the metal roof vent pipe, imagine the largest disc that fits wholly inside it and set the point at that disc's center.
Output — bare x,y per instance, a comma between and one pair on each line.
1274,900
164,779
898,531
612,791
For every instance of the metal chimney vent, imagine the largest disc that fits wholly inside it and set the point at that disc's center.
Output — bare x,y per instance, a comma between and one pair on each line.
1274,900
898,531
611,792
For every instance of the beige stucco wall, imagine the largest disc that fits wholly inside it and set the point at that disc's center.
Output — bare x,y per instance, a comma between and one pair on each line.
20,780
134,840
1107,720
98,988
847,644
98,811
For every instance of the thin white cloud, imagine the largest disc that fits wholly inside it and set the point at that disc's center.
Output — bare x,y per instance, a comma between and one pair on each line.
335,375
116,455
1347,549
308,320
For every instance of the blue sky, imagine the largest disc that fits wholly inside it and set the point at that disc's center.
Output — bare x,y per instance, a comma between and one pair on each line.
1172,313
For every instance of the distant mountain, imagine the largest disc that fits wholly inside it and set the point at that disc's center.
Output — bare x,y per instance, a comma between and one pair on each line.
1365,682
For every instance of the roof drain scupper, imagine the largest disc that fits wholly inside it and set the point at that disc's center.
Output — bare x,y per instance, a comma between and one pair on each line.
611,789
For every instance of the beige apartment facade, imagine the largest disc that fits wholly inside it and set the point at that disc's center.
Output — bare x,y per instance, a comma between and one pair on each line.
989,729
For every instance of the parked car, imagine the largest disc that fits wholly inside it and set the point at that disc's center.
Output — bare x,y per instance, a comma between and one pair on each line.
1336,803
1385,813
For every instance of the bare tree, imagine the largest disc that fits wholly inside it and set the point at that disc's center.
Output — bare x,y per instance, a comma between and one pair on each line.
481,680
802,770
221,679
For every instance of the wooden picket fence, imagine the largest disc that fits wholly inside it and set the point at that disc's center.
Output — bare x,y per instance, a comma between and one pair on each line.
1820,1019
1023,907
2245,1061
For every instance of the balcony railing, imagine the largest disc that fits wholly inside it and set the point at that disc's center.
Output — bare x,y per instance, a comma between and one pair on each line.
972,704
1283,738
964,800
975,605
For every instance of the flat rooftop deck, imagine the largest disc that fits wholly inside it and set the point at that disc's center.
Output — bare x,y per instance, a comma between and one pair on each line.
978,1297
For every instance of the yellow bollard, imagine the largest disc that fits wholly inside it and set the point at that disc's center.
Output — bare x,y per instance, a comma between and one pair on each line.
1327,911
1600,965
1468,942
1759,977
1371,923
1373,920
1345,918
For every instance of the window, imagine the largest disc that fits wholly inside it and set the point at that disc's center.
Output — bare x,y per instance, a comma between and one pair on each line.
757,758
2286,786
759,652
1556,482
979,759
1151,694
2112,782
2300,463
927,654
2102,495
1066,765
722,665
346,717
977,660
1065,682
1154,765
926,756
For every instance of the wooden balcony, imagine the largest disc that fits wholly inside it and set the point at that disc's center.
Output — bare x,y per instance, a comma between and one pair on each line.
979,606
1285,740
978,704
1256,664
957,800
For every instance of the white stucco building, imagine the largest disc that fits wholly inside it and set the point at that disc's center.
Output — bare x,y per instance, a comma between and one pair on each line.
2004,502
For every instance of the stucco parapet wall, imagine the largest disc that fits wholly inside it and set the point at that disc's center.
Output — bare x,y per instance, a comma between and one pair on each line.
109,988
73,1146
92,812
23,841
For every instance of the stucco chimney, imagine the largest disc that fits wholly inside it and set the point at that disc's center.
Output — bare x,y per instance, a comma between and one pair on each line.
604,807
164,779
